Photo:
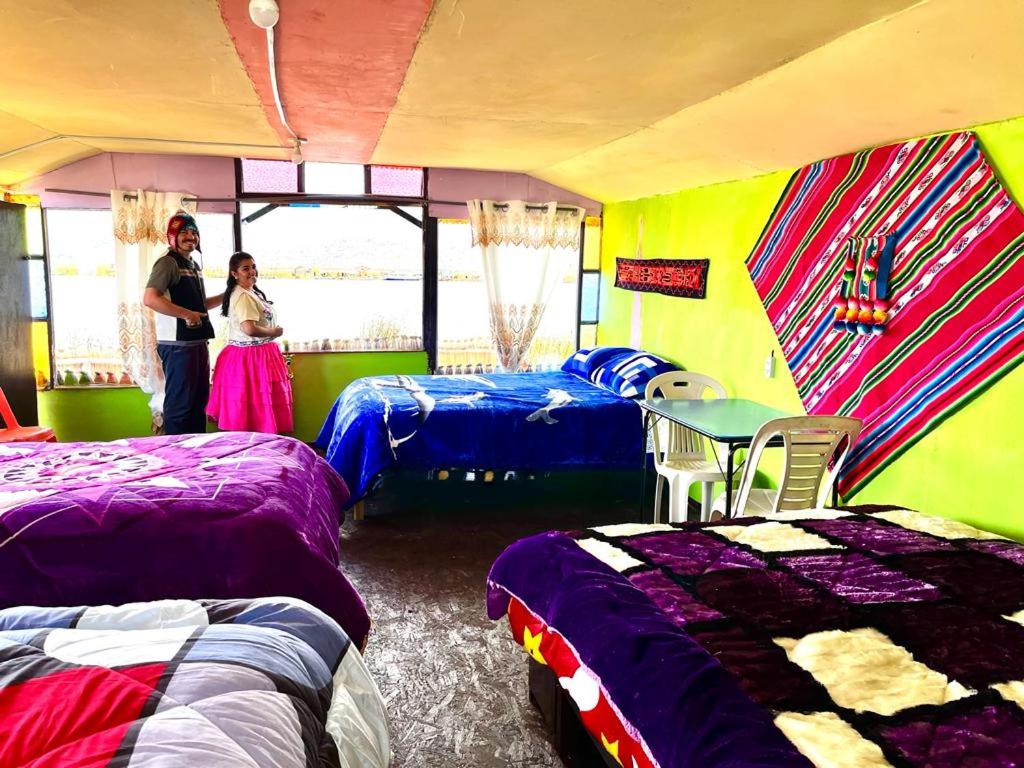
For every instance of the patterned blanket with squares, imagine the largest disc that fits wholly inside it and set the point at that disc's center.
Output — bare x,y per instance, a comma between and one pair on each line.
866,637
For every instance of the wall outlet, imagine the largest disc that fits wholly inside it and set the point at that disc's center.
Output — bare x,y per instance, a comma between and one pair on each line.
769,366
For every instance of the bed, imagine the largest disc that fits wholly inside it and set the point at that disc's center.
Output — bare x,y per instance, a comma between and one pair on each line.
525,421
582,417
267,683
861,638
222,515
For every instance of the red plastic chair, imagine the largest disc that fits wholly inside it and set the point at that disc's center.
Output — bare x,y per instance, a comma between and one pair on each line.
15,433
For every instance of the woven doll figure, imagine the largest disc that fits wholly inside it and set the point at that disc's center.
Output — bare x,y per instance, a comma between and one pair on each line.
863,303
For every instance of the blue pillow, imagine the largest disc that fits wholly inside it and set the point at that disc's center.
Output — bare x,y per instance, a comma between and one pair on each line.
584,362
627,374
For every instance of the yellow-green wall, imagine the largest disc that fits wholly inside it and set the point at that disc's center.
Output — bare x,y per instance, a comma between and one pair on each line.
110,413
966,468
319,379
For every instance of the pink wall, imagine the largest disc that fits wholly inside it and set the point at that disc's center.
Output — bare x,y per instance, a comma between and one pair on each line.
459,184
215,177
198,175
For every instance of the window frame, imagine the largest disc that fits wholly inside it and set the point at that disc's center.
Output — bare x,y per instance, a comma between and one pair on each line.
44,214
580,322
427,225
580,272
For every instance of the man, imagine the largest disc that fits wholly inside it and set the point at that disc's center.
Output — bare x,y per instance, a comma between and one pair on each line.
175,292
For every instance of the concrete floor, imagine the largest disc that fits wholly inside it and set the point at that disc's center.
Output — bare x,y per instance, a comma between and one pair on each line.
455,682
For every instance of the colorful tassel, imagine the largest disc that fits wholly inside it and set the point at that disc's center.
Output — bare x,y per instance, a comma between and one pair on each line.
864,314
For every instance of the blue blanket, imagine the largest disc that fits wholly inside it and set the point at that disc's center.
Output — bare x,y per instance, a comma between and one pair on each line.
524,421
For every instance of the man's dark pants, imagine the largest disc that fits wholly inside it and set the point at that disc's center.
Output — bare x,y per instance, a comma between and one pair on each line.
186,387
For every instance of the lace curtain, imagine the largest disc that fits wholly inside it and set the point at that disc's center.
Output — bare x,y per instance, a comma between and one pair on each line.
140,237
523,250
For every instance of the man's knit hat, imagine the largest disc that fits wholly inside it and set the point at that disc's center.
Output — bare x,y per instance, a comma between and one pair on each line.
180,222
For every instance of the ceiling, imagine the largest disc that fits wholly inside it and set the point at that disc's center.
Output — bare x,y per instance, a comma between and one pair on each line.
97,68
609,99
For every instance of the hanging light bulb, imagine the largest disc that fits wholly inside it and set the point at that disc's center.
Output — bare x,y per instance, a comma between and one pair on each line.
264,13
297,153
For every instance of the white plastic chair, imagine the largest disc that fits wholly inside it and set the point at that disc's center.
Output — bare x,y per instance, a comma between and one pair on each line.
680,457
811,443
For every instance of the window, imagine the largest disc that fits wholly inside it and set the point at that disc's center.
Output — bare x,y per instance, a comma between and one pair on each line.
269,176
84,305
396,181
217,237
84,290
463,319
341,277
37,262
334,179
589,295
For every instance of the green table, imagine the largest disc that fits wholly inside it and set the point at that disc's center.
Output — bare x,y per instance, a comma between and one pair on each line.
731,421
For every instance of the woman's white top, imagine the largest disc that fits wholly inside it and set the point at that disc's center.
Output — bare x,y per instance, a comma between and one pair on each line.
246,305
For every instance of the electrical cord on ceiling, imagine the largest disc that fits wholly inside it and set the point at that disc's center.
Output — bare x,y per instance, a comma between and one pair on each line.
265,14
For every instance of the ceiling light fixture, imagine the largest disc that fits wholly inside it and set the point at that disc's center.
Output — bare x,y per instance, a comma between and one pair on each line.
265,15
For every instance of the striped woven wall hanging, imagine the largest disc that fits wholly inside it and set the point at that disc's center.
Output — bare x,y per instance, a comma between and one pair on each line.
673,277
900,344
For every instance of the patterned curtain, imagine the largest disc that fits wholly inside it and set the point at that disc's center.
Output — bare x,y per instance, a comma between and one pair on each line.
524,251
140,237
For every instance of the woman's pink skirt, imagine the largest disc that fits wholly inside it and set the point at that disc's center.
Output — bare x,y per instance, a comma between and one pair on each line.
251,391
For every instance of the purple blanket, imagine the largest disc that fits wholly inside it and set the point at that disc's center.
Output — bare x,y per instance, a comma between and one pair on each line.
218,516
827,638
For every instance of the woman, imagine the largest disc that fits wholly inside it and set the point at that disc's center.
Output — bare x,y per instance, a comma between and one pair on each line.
251,391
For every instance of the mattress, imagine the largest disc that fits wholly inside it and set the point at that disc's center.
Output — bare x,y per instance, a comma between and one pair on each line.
222,515
268,683
867,638
523,421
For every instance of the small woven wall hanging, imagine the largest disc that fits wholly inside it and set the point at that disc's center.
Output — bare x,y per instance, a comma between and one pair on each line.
672,277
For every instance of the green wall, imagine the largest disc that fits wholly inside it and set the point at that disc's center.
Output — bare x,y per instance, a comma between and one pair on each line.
319,379
964,469
103,413
116,412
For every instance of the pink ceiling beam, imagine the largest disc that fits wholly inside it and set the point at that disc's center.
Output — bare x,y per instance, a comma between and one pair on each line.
340,65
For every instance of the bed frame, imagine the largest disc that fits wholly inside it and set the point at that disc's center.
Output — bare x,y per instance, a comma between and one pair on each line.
570,739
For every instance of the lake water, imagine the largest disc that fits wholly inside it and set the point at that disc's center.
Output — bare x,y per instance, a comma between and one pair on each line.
85,315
